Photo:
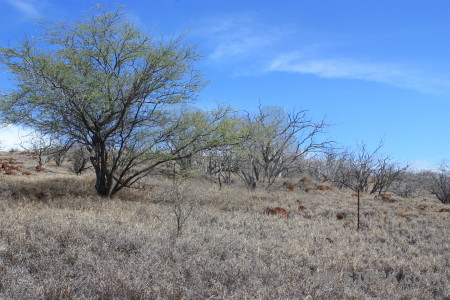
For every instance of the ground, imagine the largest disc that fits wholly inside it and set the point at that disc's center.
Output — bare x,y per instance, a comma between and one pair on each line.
58,240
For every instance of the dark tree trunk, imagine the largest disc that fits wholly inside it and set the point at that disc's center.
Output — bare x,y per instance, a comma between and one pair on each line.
219,177
104,178
358,205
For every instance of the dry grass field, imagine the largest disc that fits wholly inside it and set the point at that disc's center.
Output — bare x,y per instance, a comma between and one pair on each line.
58,240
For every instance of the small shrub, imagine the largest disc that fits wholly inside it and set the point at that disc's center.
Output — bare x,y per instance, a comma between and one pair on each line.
322,187
341,216
277,211
440,183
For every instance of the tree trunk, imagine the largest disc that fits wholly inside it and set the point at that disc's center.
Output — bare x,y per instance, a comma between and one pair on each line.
104,178
220,180
359,191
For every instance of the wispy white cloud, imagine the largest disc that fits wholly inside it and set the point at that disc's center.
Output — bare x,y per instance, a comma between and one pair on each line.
393,74
239,36
29,8
237,44
251,47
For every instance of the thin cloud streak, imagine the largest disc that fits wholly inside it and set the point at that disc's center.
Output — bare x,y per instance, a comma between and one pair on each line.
26,7
395,75
237,44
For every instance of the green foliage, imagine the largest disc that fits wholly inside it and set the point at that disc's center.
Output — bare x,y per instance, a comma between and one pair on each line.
89,73
103,83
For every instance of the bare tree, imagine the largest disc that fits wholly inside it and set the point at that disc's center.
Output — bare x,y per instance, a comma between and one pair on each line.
59,151
440,183
39,144
276,143
409,184
387,172
222,163
181,208
353,170
332,167
80,158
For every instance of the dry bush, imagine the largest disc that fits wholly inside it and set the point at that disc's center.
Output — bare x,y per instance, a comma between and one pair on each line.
290,186
322,188
182,207
306,181
383,196
277,211
440,183
80,159
409,185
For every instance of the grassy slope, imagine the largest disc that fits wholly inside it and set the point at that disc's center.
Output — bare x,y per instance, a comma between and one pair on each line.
60,241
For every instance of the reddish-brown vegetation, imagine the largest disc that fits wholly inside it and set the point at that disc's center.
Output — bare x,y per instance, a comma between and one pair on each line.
290,186
341,216
301,207
27,173
384,196
39,168
322,187
444,210
355,195
277,211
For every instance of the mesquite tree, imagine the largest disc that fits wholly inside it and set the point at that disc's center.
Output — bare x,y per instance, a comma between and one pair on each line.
386,174
353,169
40,145
105,84
276,142
440,183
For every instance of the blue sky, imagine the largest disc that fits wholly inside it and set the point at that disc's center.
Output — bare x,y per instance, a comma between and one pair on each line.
375,69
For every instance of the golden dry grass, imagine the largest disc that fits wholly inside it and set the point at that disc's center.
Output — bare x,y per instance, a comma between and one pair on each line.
58,240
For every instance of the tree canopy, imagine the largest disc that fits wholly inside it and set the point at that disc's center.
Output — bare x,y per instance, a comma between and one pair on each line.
105,84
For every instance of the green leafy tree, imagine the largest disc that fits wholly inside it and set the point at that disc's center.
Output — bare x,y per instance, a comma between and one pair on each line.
201,132
106,85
